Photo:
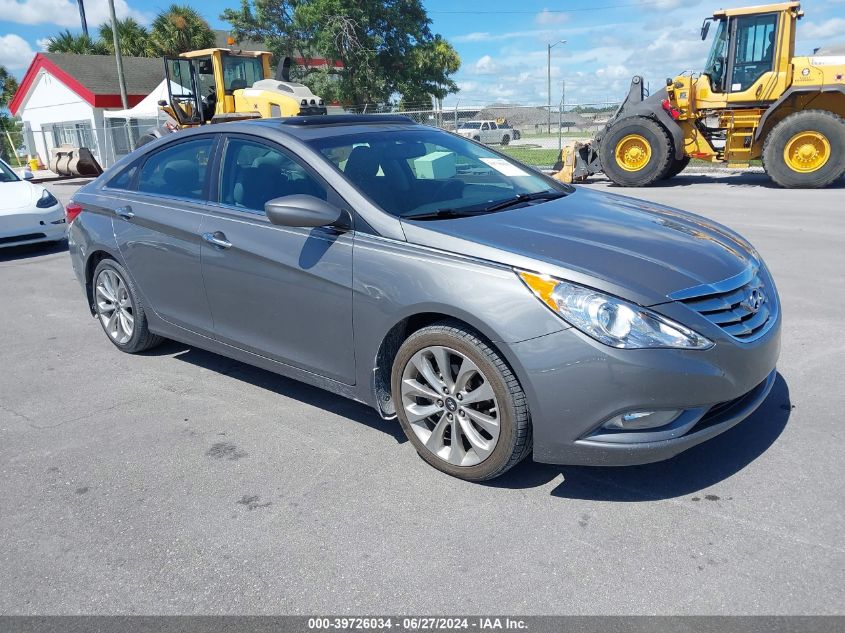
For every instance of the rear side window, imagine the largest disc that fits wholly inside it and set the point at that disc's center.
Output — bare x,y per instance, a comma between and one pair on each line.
124,179
254,173
179,170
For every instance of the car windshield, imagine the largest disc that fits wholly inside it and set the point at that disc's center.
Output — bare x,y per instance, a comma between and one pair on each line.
471,125
422,171
6,173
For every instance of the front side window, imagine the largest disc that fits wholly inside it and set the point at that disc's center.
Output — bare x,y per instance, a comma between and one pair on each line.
254,173
755,49
179,170
718,58
417,171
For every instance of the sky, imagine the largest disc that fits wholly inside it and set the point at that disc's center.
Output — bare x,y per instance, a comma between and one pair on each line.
502,43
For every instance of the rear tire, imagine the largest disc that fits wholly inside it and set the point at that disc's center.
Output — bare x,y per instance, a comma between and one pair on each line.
506,139
636,152
677,167
474,399
806,150
119,310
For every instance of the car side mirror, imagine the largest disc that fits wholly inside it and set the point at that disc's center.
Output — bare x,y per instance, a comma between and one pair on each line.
301,210
27,174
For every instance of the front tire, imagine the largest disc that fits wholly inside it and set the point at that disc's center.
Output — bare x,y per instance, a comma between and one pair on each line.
806,150
506,139
119,309
459,403
636,152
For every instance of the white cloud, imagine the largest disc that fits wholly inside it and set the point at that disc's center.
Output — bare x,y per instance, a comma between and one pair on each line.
484,36
42,43
550,17
668,5
614,71
485,66
64,13
834,27
15,52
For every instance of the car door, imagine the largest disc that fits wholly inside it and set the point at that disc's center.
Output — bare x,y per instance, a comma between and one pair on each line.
157,221
751,68
485,132
281,292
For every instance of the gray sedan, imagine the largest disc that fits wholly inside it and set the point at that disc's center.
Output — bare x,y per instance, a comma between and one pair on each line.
495,312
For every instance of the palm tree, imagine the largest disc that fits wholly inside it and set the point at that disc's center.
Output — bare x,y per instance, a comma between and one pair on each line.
132,36
67,42
179,29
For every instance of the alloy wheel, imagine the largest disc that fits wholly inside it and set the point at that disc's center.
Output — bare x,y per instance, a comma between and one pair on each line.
450,405
114,306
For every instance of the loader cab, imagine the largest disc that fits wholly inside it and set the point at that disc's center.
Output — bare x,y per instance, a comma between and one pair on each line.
201,84
749,60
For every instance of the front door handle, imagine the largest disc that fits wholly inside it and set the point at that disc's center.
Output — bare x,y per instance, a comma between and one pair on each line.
124,212
218,239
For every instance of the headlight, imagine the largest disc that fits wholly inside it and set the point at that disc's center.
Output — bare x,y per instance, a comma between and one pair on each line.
46,200
610,320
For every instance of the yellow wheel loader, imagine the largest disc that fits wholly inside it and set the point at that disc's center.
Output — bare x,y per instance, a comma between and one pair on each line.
219,84
754,100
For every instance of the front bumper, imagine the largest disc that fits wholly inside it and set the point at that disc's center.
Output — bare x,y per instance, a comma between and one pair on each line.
32,227
575,384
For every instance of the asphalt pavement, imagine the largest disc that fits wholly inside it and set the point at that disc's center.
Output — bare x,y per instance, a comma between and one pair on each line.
179,481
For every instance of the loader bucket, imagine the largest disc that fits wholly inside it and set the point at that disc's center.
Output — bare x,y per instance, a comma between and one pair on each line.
576,162
70,161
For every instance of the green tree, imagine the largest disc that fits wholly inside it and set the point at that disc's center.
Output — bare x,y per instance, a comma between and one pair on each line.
8,88
131,35
431,63
179,29
386,46
67,42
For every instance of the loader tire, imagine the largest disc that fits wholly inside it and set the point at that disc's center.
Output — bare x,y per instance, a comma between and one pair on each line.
806,150
677,167
636,152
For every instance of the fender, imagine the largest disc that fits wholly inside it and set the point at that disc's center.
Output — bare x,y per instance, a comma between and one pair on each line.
652,107
792,92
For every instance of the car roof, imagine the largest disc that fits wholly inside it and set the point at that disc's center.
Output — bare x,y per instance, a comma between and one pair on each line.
323,125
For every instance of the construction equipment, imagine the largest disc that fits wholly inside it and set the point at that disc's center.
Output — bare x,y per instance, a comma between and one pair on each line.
754,100
215,85
70,161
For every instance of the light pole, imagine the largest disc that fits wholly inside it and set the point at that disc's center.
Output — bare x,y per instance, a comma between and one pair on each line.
82,19
549,48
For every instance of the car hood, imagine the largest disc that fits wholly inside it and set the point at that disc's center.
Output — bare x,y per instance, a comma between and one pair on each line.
631,248
18,195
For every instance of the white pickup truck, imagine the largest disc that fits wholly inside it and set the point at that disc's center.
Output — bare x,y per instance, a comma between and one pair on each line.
487,132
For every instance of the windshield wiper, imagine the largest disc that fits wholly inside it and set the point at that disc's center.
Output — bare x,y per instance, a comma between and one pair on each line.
440,214
525,197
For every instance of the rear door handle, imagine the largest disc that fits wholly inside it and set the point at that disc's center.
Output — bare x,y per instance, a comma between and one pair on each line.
218,239
124,212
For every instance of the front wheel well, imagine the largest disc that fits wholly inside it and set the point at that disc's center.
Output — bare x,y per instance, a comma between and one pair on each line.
390,345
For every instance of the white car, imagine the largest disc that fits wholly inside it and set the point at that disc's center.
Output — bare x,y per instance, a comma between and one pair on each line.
29,214
487,132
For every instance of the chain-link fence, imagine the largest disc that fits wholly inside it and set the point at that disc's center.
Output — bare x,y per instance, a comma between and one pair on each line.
530,126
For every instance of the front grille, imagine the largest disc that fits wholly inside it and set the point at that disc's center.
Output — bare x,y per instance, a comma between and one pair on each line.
744,306
22,238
